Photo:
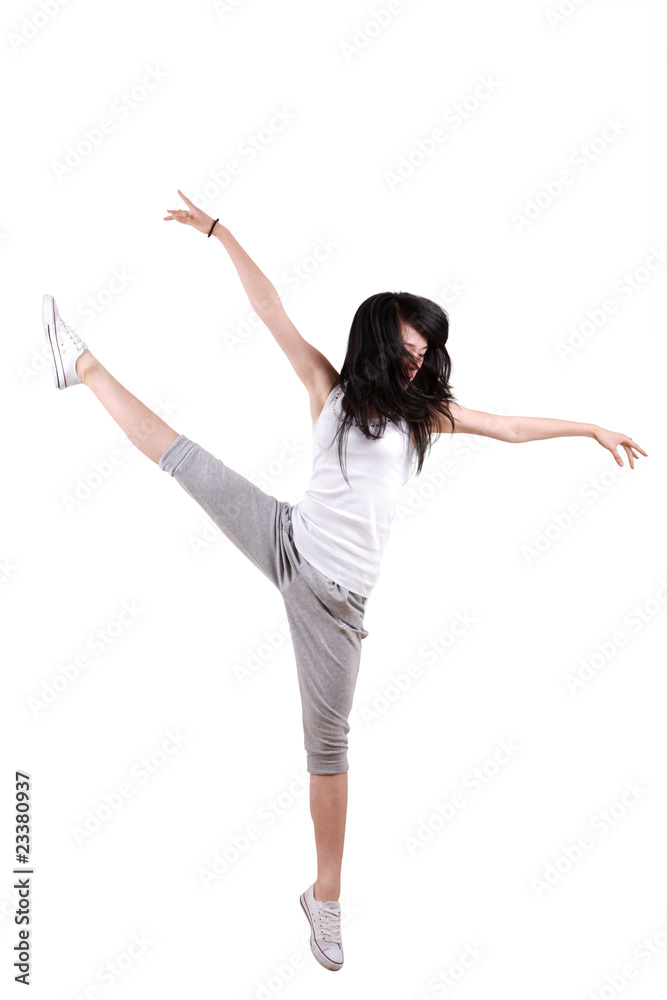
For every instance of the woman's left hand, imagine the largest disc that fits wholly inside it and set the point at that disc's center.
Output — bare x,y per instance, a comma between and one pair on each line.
611,440
190,216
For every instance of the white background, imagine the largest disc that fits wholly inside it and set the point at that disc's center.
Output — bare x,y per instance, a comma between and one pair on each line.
360,97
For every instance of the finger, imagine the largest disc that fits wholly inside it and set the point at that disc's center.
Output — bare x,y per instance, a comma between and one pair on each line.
633,444
636,450
186,200
629,454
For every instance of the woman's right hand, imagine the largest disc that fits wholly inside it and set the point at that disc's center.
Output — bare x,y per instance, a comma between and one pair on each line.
611,440
190,216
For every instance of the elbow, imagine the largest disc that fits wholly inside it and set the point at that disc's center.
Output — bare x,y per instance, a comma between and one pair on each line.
514,433
268,304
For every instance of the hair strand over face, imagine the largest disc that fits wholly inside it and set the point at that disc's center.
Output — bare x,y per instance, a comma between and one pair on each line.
375,372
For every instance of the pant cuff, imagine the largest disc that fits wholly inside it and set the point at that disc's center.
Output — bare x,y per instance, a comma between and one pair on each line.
317,764
179,449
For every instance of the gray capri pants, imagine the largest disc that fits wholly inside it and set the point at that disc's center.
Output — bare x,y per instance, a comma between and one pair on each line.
325,619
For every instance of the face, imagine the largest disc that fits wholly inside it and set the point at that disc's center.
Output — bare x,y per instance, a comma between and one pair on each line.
417,344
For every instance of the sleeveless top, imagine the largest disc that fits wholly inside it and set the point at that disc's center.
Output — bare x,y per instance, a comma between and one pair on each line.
342,529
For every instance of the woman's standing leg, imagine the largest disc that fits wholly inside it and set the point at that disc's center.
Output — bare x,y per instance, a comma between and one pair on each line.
328,808
145,429
326,627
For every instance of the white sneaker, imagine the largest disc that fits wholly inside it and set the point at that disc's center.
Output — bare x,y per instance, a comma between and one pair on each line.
66,345
324,918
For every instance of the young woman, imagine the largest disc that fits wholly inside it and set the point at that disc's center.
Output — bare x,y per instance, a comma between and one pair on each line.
323,553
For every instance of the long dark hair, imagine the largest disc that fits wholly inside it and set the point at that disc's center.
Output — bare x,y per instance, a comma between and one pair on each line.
374,370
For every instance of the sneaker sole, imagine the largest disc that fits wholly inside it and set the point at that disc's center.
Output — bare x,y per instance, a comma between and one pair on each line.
319,955
49,321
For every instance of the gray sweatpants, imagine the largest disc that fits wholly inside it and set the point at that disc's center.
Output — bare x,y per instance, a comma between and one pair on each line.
325,619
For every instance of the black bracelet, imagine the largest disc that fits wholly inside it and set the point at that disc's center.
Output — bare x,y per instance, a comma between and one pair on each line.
212,227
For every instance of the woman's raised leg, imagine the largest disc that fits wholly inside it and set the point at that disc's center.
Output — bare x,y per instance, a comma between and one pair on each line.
145,429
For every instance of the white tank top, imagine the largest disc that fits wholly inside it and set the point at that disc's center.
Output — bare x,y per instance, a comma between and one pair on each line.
342,529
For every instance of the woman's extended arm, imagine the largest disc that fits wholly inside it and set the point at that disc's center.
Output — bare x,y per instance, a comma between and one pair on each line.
261,292
518,429
314,370
539,428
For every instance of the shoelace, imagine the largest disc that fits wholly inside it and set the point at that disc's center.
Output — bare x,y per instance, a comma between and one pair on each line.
74,336
329,922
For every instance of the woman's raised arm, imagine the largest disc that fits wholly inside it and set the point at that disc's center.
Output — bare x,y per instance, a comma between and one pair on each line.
315,371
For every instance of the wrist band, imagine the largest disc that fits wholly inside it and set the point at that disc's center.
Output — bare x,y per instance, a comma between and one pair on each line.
212,227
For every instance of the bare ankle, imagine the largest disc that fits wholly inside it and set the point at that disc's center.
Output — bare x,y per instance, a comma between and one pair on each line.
325,891
84,365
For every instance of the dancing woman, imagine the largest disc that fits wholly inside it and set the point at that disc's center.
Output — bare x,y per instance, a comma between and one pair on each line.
323,553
